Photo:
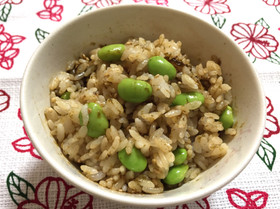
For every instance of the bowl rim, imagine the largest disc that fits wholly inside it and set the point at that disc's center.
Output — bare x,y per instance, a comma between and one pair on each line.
136,200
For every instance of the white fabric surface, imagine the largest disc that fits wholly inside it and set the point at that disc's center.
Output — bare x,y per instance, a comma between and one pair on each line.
23,174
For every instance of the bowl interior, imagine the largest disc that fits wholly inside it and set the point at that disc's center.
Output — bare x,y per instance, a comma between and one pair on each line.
115,25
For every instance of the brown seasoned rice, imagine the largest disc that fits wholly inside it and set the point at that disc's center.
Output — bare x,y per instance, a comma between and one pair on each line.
154,127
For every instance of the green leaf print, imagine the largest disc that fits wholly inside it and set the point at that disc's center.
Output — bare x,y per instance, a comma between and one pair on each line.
5,10
278,8
218,20
262,23
267,153
85,9
19,189
41,35
274,58
252,58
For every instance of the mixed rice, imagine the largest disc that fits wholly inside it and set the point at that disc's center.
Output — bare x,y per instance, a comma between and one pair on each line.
155,127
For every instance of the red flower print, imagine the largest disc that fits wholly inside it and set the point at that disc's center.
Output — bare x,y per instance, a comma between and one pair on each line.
4,100
52,11
2,2
254,39
202,204
24,144
101,3
272,125
272,2
157,2
243,200
7,50
209,6
55,193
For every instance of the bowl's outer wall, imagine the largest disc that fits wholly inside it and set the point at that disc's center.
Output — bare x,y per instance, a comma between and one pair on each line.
115,25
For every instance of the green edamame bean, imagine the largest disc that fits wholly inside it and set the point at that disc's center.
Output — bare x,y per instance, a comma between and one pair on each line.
227,117
195,96
135,91
176,174
111,53
180,156
159,65
183,98
180,99
97,123
135,161
65,95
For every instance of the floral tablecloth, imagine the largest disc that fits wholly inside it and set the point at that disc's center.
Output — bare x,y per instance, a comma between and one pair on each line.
27,181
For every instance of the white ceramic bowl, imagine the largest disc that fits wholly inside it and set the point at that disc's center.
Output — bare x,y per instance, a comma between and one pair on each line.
115,25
